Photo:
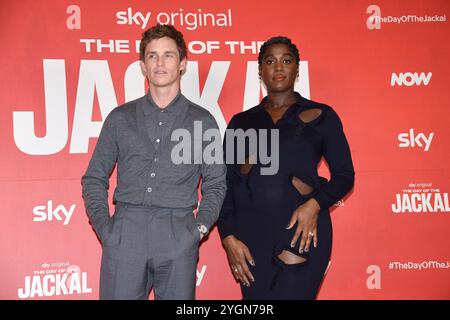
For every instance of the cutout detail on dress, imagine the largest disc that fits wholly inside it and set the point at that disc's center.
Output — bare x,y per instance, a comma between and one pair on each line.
246,167
309,115
289,257
303,188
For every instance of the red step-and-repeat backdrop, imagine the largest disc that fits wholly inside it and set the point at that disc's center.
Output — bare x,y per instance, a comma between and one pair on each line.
382,65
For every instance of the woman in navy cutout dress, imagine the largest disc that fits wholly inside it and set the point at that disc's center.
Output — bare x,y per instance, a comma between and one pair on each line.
276,229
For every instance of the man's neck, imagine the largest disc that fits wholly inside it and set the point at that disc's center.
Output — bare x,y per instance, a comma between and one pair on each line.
163,96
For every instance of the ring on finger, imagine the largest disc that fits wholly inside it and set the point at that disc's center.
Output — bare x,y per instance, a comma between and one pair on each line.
311,234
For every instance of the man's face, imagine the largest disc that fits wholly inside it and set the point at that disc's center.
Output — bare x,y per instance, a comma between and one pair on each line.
162,65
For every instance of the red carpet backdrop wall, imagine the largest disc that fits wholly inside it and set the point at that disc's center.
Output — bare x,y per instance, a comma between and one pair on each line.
382,65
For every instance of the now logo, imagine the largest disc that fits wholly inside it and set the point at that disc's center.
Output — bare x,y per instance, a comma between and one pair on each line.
411,140
409,79
47,213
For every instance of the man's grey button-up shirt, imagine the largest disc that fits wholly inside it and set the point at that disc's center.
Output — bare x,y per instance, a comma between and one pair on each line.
136,136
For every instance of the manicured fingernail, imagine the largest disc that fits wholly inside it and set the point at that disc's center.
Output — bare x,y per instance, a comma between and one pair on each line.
252,262
292,244
287,227
315,244
306,249
301,250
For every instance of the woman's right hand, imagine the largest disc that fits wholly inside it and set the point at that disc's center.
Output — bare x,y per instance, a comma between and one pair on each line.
238,255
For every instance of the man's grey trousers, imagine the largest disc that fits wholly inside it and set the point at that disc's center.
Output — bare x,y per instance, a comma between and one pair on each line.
149,247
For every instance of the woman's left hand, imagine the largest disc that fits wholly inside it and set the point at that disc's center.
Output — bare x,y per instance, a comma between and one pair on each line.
306,218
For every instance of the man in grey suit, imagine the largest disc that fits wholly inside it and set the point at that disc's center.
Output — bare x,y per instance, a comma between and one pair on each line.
152,239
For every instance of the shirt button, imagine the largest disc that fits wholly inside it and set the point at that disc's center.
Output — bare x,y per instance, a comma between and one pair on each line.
152,174
149,189
160,123
155,160
157,140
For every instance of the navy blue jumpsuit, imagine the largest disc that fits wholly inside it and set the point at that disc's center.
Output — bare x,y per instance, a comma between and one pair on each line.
257,208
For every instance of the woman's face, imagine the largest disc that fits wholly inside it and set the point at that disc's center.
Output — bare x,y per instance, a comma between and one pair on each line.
278,68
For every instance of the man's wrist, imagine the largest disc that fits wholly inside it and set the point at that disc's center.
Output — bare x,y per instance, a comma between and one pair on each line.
203,229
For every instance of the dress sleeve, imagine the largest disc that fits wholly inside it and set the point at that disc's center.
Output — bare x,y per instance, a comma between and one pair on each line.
336,152
227,217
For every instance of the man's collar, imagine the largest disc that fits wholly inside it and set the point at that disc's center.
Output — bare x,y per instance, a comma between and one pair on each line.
172,107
